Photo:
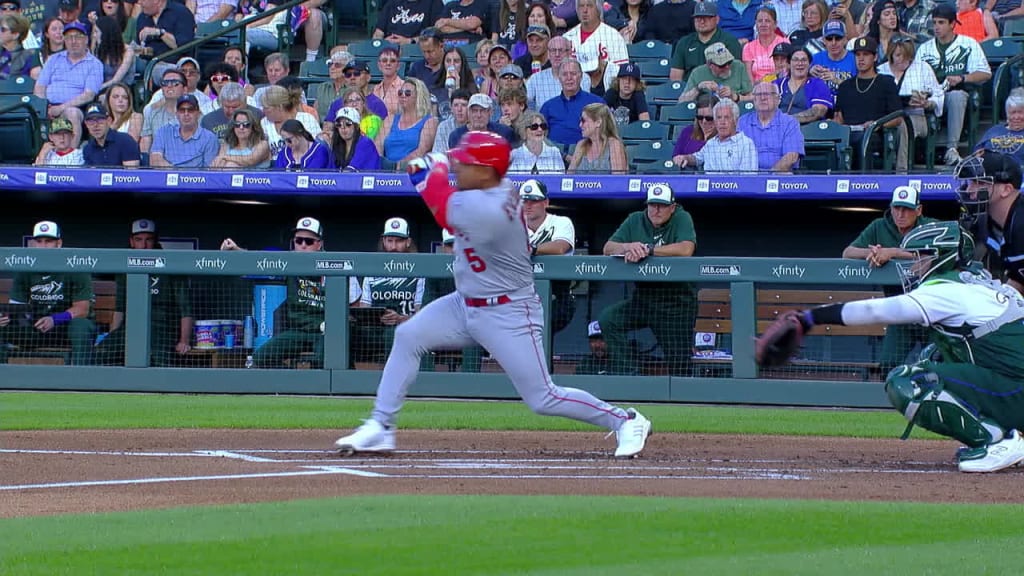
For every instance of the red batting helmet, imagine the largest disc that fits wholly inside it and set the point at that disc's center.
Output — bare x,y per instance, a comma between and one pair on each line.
483,149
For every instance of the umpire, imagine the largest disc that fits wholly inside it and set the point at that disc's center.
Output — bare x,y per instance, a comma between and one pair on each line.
668,308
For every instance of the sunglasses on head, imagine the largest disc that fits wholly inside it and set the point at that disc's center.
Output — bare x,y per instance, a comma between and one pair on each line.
538,126
406,92
300,240
242,124
220,78
172,82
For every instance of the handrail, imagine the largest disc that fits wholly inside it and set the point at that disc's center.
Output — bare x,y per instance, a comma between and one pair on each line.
171,55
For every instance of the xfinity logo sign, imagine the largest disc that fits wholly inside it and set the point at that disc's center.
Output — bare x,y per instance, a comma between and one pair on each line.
783,271
396,266
265,264
654,269
29,261
210,263
79,261
854,272
591,269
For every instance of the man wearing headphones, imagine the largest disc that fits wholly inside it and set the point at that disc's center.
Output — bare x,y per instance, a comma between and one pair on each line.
989,194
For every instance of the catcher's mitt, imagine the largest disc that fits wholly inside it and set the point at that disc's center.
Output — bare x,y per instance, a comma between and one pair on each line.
780,340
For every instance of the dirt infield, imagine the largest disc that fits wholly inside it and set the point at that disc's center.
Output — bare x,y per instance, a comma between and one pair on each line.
68,472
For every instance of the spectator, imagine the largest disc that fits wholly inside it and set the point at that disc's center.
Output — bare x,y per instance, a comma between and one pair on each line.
513,104
538,13
804,97
217,75
58,151
465,21
550,235
957,61
325,93
164,25
244,145
723,76
597,361
108,146
693,137
189,68
836,64
627,98
409,133
401,21
458,76
235,57
669,309
15,59
118,60
814,13
629,18
916,16
301,151
279,106
536,156
536,57
883,25
668,21
776,136
53,39
545,85
510,26
230,99
48,294
351,150
510,77
600,151
309,18
789,13
161,113
459,117
563,14
600,38
402,297
1008,139
214,10
594,69
370,124
295,89
126,22
973,22
70,79
479,118
689,51
390,83
276,66
70,11
757,54
738,18
185,144
919,91
431,66
170,309
497,58
482,71
853,13
357,77
729,150
867,97
780,62
32,41
562,112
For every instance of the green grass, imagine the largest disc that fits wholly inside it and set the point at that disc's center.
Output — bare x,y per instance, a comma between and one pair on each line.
467,535
77,411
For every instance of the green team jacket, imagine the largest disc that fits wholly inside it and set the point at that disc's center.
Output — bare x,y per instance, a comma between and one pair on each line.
168,296
305,303
679,228
52,293
883,232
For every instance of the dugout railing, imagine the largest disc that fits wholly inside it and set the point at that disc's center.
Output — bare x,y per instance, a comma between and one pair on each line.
737,380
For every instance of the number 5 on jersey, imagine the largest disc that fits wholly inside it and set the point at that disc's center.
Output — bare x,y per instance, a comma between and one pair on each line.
476,263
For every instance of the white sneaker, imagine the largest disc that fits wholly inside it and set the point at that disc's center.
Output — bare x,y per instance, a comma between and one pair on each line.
952,157
632,435
370,437
1003,454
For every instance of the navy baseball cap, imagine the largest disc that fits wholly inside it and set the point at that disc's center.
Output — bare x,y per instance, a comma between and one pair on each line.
76,25
188,99
95,110
834,28
357,65
708,9
629,70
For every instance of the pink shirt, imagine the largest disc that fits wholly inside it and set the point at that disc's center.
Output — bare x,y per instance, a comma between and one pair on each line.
755,52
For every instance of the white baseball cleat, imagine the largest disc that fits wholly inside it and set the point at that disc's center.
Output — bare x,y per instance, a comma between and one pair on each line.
1007,452
370,437
632,435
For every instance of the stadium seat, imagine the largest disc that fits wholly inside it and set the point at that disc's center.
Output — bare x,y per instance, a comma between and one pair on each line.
17,85
746,107
667,93
22,124
678,114
649,50
654,72
649,130
368,49
999,50
1013,27
211,50
1008,75
887,157
315,71
642,154
410,53
826,147
929,140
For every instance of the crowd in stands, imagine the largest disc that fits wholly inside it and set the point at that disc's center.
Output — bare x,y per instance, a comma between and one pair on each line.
554,78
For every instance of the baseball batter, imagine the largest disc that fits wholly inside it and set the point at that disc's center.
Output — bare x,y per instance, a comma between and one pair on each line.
494,304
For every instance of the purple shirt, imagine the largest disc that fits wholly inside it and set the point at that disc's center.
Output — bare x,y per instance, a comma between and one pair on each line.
365,156
686,144
814,91
779,137
373,104
316,157
64,80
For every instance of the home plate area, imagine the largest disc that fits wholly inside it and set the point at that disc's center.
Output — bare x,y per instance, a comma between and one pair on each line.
89,471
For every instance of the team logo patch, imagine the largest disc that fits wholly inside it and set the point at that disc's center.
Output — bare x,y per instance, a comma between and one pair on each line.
44,228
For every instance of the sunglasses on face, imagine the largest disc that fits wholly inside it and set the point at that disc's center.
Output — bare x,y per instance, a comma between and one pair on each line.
353,74
188,109
300,240
706,118
406,92
387,60
833,38
242,124
8,8
169,83
538,126
220,78
347,124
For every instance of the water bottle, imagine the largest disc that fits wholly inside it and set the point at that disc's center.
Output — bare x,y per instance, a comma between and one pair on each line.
535,67
449,81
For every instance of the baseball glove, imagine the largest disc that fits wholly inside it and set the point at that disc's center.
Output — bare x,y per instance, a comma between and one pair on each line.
780,340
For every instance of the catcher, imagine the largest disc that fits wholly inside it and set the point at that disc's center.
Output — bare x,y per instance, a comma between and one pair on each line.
968,384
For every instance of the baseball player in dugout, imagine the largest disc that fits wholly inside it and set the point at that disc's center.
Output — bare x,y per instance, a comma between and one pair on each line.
878,244
58,306
401,297
669,309
301,316
171,318
494,304
992,210
550,234
967,385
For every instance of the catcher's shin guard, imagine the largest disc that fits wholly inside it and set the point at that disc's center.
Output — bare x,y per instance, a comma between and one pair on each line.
919,395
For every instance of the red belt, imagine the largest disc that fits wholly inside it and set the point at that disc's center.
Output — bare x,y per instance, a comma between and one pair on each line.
482,302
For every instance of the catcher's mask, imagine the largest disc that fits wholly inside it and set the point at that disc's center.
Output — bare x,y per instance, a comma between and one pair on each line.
937,247
976,176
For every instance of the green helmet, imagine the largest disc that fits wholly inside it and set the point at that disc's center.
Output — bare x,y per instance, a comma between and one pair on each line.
937,247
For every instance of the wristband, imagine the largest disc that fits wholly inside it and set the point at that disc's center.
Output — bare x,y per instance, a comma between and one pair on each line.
62,318
650,249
